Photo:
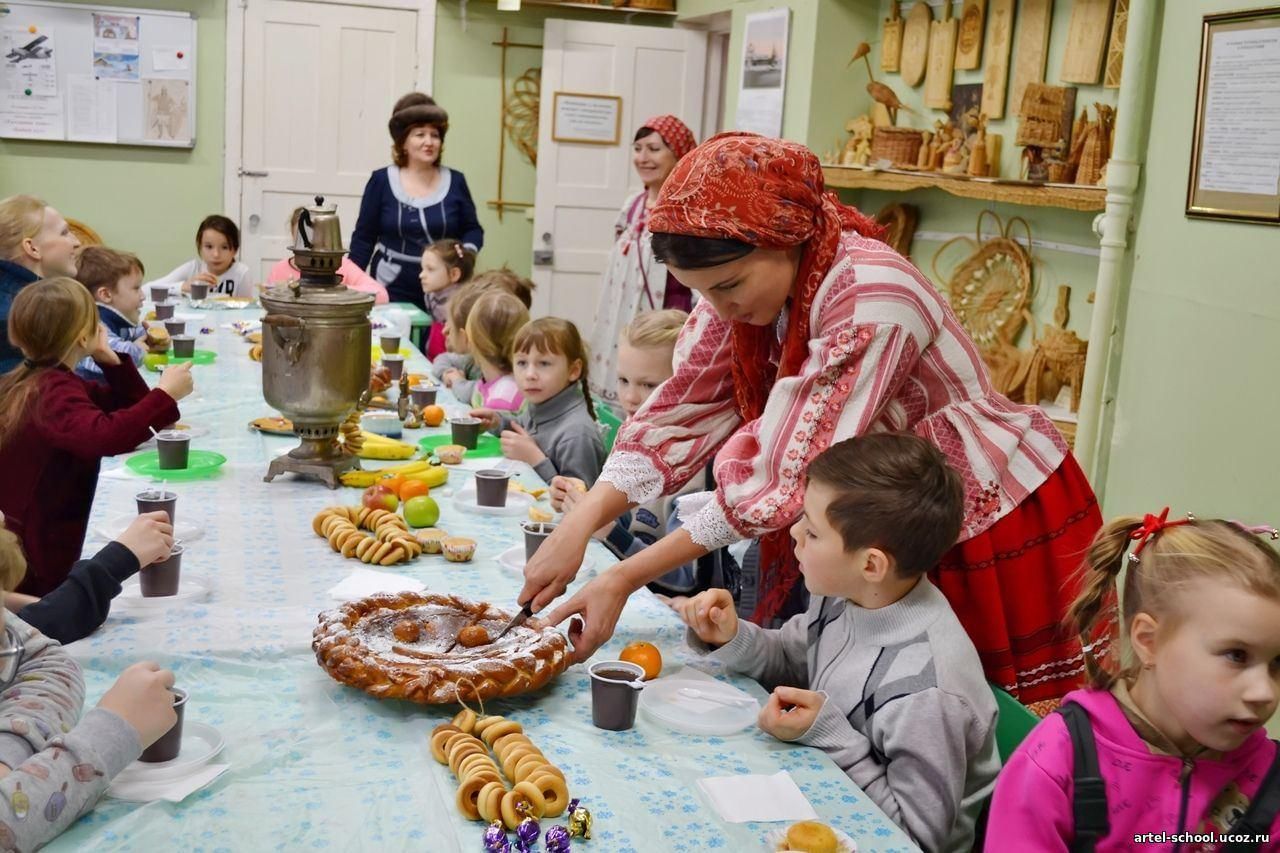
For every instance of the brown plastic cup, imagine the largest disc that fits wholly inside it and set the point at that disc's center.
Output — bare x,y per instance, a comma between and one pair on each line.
184,346
159,292
466,431
155,500
423,395
160,580
174,449
164,310
175,327
170,743
491,487
395,363
199,290
390,344
615,694
535,533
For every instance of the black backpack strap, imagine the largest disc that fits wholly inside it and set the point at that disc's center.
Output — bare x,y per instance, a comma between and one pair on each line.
1089,803
1261,813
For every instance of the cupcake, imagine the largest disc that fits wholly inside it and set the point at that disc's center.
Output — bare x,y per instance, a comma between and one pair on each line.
458,549
809,836
432,539
450,454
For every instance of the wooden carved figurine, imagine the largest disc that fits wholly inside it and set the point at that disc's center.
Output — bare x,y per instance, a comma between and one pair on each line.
926,148
857,151
879,92
978,148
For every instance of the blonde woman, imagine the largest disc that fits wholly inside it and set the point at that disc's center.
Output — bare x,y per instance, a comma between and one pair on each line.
35,242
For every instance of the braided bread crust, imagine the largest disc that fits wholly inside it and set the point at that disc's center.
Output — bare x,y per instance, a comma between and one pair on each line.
356,645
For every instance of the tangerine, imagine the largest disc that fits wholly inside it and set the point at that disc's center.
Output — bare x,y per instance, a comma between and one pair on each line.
644,655
433,416
413,489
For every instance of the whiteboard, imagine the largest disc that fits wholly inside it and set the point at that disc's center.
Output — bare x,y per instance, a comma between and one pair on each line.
103,74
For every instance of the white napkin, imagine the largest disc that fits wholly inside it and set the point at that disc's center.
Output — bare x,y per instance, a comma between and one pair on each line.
363,582
740,799
173,790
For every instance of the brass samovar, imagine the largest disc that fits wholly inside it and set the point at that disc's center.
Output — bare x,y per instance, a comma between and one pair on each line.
315,349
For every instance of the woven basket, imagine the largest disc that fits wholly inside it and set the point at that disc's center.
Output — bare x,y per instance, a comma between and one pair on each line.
899,145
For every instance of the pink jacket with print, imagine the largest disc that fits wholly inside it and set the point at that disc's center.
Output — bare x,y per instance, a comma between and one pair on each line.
1145,791
352,276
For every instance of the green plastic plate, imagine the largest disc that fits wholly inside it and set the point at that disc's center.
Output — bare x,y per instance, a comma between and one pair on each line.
200,464
158,362
487,446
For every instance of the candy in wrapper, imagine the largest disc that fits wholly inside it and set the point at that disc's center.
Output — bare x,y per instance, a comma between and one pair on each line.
573,804
495,838
580,823
521,847
528,831
557,840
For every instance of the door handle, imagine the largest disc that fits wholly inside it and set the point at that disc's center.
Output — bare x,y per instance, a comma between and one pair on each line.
545,256
249,173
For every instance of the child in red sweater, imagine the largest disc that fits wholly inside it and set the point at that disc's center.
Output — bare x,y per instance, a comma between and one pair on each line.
55,427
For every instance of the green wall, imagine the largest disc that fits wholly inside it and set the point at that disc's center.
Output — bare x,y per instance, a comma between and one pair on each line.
1196,408
145,200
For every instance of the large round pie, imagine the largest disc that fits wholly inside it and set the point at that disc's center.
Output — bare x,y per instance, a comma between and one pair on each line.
398,646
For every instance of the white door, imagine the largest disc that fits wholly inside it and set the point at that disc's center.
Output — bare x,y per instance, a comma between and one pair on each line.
319,82
581,187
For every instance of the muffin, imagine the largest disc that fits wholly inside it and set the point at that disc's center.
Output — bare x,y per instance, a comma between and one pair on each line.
432,539
450,454
809,836
458,549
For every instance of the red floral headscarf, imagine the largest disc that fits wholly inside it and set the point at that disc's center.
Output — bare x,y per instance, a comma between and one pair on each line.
674,132
769,193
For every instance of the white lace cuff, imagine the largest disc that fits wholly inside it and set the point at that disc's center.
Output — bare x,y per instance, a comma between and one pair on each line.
634,475
700,514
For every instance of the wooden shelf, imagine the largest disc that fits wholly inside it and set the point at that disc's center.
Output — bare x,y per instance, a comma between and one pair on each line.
601,7
1066,196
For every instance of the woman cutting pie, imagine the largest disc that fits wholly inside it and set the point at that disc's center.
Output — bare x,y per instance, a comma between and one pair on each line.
811,330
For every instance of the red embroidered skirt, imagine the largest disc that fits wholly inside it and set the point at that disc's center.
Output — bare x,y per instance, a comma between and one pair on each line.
1011,587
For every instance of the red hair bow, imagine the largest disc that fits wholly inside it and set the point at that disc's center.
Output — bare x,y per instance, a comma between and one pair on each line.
1151,525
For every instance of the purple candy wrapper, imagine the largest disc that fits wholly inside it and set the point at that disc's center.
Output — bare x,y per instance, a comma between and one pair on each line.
557,840
495,838
528,831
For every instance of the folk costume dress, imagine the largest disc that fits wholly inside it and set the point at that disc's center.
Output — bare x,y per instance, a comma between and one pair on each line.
635,281
865,344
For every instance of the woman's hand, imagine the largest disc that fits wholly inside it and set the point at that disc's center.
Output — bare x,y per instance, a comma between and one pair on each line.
102,352
489,419
517,444
599,604
554,566
566,492
176,381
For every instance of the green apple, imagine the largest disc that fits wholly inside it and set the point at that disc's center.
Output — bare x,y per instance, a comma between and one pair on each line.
421,511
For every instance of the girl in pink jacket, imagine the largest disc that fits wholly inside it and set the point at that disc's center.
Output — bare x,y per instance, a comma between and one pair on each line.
352,276
1178,740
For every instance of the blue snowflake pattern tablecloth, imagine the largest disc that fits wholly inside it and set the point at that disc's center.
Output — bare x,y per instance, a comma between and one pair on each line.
316,765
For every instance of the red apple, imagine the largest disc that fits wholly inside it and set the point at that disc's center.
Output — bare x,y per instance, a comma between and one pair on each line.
379,496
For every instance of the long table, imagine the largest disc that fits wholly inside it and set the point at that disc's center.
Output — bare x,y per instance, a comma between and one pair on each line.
318,765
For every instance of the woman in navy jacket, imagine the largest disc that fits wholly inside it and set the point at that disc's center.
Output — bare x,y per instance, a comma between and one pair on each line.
411,204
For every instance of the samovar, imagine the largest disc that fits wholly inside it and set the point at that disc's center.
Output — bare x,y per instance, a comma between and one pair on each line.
315,349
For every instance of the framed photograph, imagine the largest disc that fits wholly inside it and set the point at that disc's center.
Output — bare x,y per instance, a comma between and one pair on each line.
590,119
763,74
1235,152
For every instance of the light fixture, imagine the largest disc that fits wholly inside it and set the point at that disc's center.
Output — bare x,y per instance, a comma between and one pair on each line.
508,5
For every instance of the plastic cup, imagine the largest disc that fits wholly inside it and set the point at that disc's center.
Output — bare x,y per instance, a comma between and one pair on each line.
491,487
160,580
174,448
615,693
535,533
164,310
170,743
184,346
423,395
175,327
159,292
394,363
199,290
390,344
466,431
155,500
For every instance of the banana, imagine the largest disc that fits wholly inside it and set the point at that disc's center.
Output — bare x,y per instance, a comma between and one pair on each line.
363,479
377,450
433,477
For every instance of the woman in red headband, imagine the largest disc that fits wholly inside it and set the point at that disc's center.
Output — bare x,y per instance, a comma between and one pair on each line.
810,330
635,280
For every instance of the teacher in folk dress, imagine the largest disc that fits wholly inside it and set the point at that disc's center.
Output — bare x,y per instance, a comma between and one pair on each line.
811,330
412,203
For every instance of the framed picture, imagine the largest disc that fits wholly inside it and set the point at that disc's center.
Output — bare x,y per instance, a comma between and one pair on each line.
1235,152
590,119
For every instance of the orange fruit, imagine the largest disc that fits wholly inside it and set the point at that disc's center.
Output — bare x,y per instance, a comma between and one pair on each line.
413,489
644,655
392,483
433,416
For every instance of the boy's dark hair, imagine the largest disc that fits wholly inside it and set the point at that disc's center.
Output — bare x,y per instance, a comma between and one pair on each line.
100,266
224,226
895,492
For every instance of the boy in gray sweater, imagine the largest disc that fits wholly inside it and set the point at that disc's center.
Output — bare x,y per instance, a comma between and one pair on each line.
878,673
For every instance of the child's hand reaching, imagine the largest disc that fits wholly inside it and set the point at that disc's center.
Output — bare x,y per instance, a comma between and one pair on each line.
176,381
488,418
149,537
451,376
520,446
711,616
790,723
206,277
141,697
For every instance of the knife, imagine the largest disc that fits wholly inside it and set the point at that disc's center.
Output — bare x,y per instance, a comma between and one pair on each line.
518,619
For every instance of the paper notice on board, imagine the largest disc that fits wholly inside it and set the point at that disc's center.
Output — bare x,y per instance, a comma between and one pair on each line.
27,66
171,59
91,109
763,83
1241,148
115,33
29,117
166,106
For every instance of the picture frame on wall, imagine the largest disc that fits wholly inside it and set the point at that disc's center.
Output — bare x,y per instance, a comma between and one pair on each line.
587,119
1235,150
